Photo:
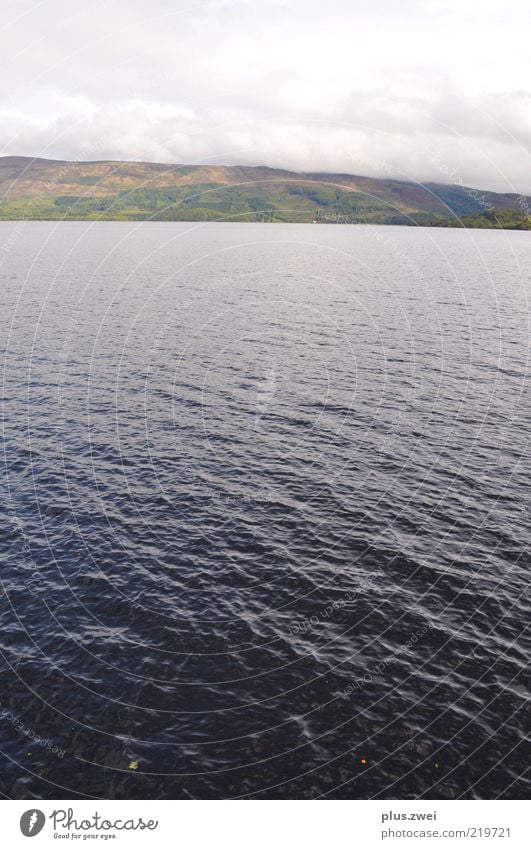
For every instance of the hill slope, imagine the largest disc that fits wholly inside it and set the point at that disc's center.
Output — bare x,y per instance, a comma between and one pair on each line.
494,219
41,189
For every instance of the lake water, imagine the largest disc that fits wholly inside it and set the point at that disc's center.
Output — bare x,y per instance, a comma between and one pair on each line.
265,511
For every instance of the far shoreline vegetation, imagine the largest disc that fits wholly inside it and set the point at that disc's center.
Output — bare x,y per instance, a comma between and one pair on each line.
51,190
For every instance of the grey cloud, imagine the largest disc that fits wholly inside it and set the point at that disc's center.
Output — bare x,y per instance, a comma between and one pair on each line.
342,86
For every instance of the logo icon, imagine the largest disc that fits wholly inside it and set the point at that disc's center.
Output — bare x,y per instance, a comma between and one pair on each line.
32,822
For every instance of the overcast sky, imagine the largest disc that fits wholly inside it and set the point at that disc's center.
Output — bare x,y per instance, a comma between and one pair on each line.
419,89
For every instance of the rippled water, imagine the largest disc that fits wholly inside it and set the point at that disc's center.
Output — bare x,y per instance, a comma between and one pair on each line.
265,517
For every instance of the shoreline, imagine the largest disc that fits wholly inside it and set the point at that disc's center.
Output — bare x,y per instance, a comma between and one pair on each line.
412,225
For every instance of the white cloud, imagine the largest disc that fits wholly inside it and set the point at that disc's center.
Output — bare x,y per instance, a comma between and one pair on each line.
475,8
336,86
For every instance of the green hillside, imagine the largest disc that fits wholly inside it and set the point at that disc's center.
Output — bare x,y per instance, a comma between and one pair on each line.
495,219
39,189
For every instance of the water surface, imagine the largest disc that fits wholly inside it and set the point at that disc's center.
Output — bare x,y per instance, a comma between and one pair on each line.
264,511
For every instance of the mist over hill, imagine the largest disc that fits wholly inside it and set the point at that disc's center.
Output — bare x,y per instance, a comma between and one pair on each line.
42,189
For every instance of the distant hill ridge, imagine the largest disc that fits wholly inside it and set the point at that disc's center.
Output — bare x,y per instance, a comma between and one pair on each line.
46,189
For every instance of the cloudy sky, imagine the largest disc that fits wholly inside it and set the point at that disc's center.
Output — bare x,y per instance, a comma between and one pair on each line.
420,89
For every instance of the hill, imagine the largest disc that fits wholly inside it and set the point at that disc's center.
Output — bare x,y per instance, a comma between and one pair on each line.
492,219
43,189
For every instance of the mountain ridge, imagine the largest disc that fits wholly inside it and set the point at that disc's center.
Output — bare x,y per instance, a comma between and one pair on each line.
50,189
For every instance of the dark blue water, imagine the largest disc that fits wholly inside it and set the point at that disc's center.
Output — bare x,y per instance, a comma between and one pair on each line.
264,511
